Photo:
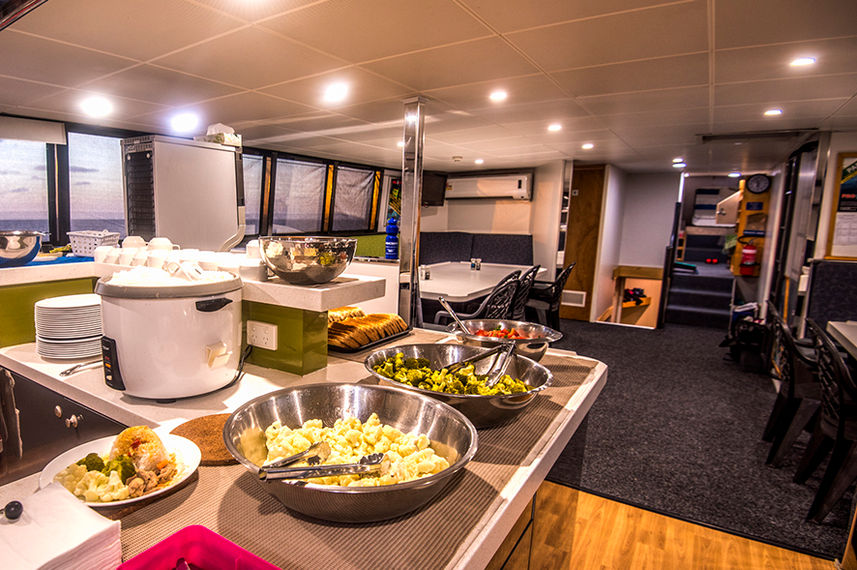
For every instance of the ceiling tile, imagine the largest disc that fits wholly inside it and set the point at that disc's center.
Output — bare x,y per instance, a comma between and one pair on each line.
17,92
250,134
641,137
470,135
68,101
377,111
772,61
656,118
661,100
678,71
519,90
508,15
253,10
742,23
667,30
849,108
775,90
29,57
564,111
386,27
364,87
791,110
162,85
480,60
251,57
140,29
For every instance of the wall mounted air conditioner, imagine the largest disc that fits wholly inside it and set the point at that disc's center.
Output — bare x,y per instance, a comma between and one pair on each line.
517,186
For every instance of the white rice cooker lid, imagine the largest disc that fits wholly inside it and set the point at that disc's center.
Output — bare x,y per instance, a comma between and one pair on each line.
105,288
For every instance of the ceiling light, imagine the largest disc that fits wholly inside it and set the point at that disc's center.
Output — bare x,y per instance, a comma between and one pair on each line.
335,92
411,118
678,159
96,106
773,112
802,61
478,161
587,146
184,122
400,144
498,95
554,127
679,164
734,175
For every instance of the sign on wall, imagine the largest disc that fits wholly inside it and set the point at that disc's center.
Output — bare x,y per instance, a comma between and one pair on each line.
842,238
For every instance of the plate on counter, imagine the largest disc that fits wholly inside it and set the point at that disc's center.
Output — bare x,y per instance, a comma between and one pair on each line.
187,457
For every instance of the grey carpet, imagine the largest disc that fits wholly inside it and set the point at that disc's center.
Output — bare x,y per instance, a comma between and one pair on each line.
677,430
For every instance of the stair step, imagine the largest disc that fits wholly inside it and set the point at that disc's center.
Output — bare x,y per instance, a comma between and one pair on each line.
686,315
703,253
693,240
700,298
702,282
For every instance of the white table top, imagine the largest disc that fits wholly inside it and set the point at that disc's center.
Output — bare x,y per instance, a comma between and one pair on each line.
457,283
845,333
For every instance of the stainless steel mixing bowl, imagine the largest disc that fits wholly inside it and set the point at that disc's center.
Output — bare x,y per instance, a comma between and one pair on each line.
452,436
483,411
307,260
533,347
18,247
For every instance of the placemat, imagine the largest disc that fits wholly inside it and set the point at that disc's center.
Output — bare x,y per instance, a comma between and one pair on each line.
207,433
230,501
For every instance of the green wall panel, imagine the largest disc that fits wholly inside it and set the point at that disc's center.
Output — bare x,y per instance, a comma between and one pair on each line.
301,337
16,306
371,245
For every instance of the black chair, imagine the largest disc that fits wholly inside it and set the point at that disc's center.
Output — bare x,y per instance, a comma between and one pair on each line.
497,305
835,429
522,295
546,296
799,394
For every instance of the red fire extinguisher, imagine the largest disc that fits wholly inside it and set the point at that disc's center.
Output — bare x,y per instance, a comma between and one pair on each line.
748,258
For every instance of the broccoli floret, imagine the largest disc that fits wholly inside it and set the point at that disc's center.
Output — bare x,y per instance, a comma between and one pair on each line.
123,467
92,462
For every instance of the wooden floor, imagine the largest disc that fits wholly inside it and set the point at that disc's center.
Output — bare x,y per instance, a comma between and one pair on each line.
582,531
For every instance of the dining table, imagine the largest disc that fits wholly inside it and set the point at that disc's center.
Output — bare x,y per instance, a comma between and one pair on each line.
457,282
845,333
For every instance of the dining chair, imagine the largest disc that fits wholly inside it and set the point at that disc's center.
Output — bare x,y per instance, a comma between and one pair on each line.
835,429
497,305
522,295
546,296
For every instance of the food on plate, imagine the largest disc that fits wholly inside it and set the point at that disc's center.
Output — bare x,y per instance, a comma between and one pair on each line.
354,332
342,313
417,372
411,456
512,333
137,464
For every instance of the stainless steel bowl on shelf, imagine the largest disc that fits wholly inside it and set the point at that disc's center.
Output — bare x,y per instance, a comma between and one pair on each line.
483,411
307,260
19,247
452,435
535,346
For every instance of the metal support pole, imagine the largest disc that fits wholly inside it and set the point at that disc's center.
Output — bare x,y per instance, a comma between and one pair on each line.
409,224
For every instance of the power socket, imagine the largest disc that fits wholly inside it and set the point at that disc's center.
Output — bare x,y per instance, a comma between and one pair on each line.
263,335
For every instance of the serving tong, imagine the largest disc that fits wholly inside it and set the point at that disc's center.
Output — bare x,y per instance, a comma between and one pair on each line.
80,367
367,464
498,368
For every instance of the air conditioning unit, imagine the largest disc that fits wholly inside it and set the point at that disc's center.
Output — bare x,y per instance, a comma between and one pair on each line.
515,186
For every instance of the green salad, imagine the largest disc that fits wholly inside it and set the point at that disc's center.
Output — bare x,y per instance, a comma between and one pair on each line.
417,372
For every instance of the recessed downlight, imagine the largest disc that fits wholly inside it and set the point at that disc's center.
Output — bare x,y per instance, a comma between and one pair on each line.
400,144
679,164
184,122
802,61
678,159
478,161
587,146
735,174
498,95
335,92
554,127
773,112
96,106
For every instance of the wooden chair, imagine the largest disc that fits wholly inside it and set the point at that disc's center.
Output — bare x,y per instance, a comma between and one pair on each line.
497,305
546,296
835,429
522,295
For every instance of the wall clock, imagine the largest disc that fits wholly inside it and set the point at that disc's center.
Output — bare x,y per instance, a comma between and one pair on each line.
758,183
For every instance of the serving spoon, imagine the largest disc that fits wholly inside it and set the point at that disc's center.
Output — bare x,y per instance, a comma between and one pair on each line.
452,313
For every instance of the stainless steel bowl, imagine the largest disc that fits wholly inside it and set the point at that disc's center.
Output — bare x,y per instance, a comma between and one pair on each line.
307,260
483,411
533,347
452,436
18,247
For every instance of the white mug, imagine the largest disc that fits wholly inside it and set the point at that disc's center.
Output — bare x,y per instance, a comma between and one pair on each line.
157,258
161,243
133,242
127,255
208,260
140,258
101,252
113,255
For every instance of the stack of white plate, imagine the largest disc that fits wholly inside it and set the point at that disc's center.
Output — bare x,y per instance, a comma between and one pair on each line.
69,326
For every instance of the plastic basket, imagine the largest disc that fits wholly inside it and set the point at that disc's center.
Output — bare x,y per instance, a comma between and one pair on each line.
84,242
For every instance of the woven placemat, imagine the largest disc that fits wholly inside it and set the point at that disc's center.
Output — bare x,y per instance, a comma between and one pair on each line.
207,433
230,501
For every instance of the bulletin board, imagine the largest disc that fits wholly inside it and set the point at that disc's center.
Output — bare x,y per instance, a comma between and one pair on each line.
842,235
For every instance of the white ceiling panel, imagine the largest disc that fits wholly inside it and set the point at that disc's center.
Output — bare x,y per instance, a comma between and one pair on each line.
658,119
669,30
363,87
162,85
826,87
519,90
68,101
16,91
564,111
848,108
791,110
661,100
252,11
772,61
384,27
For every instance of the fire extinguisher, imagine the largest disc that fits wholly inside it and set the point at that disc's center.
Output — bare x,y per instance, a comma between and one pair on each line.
748,258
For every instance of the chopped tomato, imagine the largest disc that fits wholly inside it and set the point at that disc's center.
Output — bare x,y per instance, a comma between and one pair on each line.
502,333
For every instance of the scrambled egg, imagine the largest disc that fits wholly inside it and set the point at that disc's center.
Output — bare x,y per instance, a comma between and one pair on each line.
410,455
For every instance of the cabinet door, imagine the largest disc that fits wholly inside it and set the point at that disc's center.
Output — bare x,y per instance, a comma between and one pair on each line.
50,425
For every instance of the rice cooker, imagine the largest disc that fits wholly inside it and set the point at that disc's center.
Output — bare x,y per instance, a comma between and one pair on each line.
170,341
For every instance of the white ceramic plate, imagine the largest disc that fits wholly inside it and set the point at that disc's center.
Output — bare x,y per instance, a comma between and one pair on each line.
186,452
70,301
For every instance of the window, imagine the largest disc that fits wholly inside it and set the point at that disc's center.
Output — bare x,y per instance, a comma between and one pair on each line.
23,185
353,199
252,191
96,195
298,196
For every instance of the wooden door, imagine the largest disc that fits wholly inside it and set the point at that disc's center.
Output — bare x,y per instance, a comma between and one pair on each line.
581,244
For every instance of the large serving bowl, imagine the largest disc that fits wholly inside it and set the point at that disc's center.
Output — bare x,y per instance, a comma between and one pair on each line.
18,247
307,260
483,411
453,437
535,346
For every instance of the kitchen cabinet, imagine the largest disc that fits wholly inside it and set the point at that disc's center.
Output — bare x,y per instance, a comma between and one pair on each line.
50,424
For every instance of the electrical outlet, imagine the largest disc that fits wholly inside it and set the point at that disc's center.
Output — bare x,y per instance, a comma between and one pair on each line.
263,335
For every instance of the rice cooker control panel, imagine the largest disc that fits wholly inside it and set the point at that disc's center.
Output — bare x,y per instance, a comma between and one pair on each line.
112,375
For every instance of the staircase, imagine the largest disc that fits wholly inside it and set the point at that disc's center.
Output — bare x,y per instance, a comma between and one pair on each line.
702,298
